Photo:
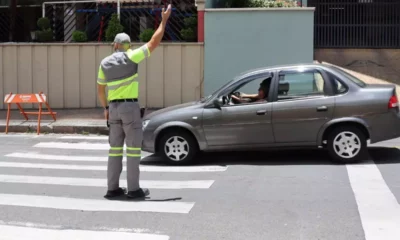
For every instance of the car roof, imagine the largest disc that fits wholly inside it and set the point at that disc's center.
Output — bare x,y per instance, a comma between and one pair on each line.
277,67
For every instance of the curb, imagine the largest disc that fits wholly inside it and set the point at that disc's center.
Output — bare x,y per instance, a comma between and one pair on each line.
56,129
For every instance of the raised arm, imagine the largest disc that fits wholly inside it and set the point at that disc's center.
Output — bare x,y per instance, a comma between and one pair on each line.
159,33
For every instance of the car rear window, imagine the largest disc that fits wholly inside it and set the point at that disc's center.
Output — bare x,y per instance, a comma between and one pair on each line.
351,77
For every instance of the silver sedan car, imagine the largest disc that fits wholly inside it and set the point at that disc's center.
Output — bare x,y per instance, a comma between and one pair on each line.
291,106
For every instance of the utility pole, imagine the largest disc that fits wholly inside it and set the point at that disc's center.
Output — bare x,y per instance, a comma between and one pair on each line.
13,19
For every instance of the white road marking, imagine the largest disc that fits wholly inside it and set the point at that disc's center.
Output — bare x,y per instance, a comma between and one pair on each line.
85,137
94,204
96,182
58,157
60,227
32,155
103,168
378,207
80,146
23,233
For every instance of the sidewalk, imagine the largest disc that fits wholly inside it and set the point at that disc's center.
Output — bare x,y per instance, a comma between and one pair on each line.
81,121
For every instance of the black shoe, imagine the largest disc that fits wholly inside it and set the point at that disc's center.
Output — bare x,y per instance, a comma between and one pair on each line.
140,193
115,193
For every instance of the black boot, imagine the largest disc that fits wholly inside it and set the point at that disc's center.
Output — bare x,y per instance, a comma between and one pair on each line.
115,193
140,193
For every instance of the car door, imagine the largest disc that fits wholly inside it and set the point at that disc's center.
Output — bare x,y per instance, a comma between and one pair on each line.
239,125
247,124
303,104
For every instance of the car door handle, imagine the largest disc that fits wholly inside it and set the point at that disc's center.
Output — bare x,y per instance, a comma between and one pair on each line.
322,109
261,112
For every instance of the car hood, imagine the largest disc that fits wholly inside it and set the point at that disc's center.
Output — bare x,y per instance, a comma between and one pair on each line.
172,108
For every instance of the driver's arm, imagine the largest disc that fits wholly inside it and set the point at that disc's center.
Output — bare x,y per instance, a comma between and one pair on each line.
249,95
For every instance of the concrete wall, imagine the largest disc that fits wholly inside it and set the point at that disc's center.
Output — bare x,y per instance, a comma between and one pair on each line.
67,73
237,40
383,64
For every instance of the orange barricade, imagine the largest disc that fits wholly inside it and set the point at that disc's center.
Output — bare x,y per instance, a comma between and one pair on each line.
28,98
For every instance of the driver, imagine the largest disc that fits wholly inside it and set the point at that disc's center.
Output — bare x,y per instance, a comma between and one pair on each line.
259,97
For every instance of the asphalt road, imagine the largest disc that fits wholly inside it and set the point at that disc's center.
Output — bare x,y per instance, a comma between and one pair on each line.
53,183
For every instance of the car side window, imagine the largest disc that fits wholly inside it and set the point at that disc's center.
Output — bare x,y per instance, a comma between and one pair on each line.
300,84
338,86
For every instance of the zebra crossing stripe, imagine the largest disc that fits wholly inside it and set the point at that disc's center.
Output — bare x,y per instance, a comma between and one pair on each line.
64,203
8,232
96,182
85,137
104,168
78,146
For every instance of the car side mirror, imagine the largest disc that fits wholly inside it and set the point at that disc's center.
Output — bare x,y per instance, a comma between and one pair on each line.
218,102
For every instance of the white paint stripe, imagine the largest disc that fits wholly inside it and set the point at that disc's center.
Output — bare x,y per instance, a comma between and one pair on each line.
58,157
12,97
103,168
32,155
23,233
60,227
38,98
98,182
94,204
85,137
67,145
378,207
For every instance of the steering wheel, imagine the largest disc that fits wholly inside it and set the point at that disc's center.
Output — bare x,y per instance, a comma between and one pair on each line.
237,94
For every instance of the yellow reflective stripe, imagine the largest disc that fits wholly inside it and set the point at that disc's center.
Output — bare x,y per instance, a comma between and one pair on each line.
116,148
113,83
133,155
132,148
121,85
101,81
115,154
129,91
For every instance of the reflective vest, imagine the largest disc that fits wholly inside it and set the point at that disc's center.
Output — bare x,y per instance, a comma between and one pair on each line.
119,72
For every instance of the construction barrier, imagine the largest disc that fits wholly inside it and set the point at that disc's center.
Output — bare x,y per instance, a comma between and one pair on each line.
19,99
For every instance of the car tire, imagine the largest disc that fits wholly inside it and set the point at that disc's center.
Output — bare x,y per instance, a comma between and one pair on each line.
175,142
347,144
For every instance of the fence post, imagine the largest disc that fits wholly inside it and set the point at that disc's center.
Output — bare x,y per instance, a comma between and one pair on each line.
200,4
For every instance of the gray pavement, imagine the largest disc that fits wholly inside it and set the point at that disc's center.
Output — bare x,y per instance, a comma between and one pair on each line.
51,182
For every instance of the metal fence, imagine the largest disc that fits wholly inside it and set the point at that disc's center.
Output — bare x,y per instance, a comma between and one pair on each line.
356,23
135,16
24,22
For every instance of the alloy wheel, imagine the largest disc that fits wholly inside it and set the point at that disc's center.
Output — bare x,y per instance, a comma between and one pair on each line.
176,148
347,144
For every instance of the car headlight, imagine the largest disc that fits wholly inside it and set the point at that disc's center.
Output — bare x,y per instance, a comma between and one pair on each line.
144,124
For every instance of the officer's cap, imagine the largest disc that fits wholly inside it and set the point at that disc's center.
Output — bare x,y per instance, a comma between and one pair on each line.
122,38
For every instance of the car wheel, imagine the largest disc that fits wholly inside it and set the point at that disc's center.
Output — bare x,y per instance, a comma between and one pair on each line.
347,144
178,147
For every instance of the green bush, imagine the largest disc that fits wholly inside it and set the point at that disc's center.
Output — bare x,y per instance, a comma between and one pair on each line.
257,3
114,27
146,35
189,32
79,36
45,34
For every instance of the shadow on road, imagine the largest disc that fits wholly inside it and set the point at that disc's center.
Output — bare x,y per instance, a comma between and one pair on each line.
380,155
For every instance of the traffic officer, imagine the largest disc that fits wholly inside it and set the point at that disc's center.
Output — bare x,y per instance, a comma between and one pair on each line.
119,72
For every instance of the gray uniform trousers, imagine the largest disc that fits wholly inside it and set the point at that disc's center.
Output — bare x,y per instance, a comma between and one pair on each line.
125,124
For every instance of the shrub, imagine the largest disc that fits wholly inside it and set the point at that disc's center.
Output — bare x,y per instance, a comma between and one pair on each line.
189,32
272,4
258,3
79,36
45,34
146,35
114,27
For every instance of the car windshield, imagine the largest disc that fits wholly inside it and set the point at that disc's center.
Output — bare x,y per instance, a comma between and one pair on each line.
204,99
351,77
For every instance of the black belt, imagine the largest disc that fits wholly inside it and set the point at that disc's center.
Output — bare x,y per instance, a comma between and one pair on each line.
125,100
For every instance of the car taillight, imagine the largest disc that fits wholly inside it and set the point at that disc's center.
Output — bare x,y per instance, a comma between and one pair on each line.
393,102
